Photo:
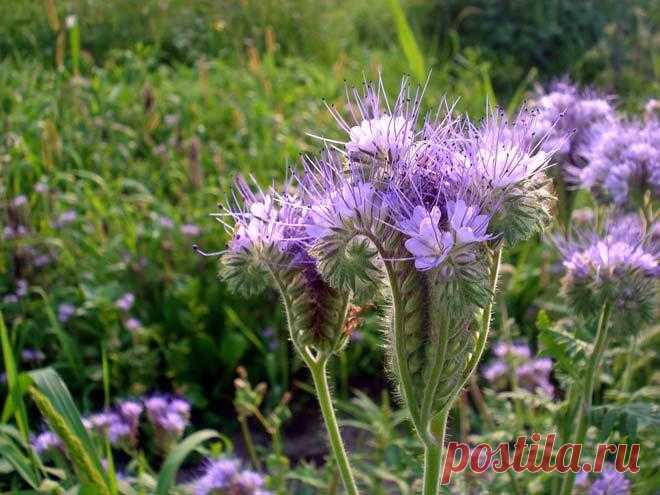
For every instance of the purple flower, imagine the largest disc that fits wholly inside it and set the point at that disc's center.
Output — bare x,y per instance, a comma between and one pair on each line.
65,218
610,482
125,302
225,476
32,356
21,288
47,441
618,267
19,201
169,416
65,311
623,162
133,324
532,374
165,222
427,243
385,137
41,187
190,230
566,118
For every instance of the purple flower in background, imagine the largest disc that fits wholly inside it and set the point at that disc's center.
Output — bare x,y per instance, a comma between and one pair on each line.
623,162
32,356
65,218
165,222
515,358
41,187
514,350
21,288
566,119
19,201
218,475
611,482
133,324
190,230
65,311
169,417
226,476
126,301
47,441
619,268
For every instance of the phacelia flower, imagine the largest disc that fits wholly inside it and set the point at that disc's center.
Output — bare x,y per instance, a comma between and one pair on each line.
47,441
608,482
618,268
514,359
32,356
623,162
65,311
169,417
566,116
190,230
65,218
226,476
125,302
133,324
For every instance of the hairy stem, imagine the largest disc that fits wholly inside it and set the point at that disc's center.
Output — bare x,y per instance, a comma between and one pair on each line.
588,390
319,377
630,364
433,453
434,377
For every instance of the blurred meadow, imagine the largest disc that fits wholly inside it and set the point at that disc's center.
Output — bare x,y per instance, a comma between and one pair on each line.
124,123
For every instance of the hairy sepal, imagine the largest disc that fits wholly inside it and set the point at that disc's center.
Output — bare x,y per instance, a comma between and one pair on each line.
524,210
350,261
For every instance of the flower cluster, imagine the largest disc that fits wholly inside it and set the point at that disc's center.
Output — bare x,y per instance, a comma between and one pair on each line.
514,361
623,162
567,117
226,477
443,188
609,482
619,268
167,416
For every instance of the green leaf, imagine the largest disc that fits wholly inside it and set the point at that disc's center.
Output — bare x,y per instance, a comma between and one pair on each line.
173,462
19,461
407,41
55,402
13,381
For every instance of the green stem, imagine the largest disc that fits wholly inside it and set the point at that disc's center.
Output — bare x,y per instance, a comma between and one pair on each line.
588,390
433,453
434,377
630,364
249,444
318,370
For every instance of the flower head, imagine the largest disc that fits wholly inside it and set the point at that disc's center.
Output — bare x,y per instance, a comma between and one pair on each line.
566,117
65,311
623,162
225,475
618,268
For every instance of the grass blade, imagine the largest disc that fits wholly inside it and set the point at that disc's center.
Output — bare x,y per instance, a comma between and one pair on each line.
55,403
13,381
407,41
20,462
171,465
